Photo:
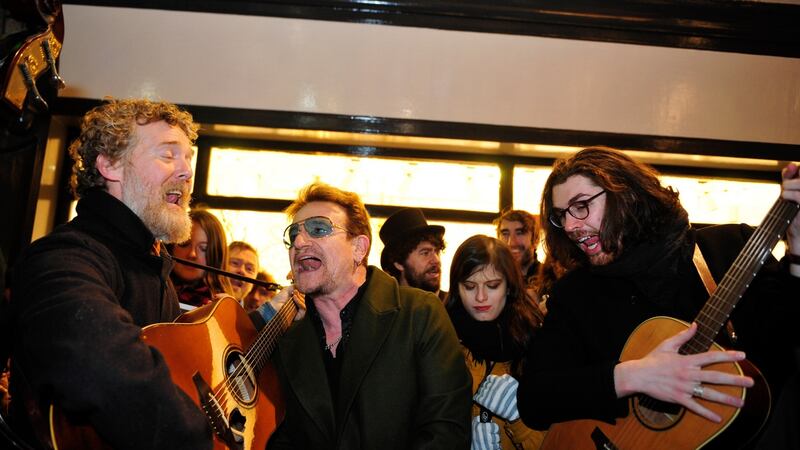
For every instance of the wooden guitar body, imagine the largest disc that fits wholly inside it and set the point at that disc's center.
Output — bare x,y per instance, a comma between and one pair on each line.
655,425
213,346
216,356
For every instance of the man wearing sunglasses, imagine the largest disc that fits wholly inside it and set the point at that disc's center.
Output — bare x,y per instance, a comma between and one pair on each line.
630,246
372,365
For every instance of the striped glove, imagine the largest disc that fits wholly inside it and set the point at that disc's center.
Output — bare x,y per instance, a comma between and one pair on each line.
499,395
485,435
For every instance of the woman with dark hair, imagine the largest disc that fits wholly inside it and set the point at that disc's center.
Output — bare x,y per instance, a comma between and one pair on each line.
208,246
495,318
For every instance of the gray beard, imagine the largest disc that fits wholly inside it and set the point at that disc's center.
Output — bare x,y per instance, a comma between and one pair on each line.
147,202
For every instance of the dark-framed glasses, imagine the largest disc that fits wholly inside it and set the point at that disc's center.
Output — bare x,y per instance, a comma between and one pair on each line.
578,210
316,227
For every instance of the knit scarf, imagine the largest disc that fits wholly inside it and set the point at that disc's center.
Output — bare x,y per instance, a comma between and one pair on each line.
486,341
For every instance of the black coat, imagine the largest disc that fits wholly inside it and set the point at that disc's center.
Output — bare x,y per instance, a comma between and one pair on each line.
79,301
569,370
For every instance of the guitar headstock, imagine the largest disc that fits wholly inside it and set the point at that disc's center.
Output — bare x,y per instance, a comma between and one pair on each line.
30,55
37,55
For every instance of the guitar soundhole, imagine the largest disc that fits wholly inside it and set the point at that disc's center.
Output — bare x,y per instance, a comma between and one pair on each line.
655,414
241,378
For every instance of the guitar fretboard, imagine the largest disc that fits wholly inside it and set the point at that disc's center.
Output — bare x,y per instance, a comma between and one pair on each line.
261,350
739,276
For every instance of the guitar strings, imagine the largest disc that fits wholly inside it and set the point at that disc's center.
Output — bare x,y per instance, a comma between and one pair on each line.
264,344
735,280
742,271
268,336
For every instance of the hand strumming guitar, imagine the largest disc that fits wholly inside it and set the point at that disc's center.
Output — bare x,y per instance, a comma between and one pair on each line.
666,375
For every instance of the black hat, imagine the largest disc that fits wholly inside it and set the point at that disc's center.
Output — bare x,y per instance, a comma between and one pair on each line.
405,223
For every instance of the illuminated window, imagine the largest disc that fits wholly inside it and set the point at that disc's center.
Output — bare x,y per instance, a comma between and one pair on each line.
724,201
528,186
378,181
264,231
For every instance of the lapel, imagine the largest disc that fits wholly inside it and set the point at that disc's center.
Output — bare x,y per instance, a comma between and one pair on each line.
306,374
373,322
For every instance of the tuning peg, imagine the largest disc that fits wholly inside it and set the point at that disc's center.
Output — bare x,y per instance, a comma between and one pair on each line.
55,78
37,100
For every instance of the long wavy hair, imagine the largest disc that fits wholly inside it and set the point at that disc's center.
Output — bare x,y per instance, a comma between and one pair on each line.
521,312
638,207
216,250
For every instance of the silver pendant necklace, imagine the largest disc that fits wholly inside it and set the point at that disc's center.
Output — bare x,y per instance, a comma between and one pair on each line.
333,344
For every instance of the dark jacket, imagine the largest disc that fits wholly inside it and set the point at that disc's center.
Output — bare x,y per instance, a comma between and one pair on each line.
569,371
404,384
80,299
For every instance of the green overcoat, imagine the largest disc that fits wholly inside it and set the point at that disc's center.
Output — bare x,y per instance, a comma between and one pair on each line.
404,383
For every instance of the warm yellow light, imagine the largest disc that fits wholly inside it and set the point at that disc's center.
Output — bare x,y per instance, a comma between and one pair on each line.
381,181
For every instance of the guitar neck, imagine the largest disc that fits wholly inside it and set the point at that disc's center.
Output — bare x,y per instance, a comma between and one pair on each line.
718,308
261,350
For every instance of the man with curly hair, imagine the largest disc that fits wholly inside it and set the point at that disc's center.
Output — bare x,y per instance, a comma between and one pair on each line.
412,250
82,294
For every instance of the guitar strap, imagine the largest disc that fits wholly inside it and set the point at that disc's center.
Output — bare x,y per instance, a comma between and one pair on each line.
711,286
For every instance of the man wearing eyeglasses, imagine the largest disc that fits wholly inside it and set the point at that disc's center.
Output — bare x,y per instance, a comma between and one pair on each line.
372,365
631,247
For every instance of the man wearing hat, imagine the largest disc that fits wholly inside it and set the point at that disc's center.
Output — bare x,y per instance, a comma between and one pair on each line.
412,250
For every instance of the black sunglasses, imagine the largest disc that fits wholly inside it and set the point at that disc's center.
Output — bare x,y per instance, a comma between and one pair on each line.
578,210
316,227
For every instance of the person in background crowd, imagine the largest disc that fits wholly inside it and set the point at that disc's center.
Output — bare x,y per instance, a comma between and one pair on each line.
259,294
242,260
520,231
207,246
495,319
81,295
633,246
412,250
372,365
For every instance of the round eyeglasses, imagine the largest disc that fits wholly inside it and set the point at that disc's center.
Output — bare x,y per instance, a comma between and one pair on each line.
316,227
578,210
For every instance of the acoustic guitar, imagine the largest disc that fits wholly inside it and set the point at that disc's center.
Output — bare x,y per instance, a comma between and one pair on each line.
656,425
216,356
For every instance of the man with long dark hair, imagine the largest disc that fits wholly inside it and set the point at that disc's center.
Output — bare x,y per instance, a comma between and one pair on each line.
632,247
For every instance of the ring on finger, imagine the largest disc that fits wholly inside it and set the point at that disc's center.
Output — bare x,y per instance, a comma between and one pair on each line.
698,390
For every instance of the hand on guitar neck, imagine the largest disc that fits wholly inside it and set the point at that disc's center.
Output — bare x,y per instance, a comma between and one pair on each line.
283,296
790,190
666,375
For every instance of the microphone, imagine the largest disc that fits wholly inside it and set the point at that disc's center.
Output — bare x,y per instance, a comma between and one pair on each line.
270,286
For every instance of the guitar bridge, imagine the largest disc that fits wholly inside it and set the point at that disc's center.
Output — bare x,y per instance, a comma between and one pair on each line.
601,441
215,414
